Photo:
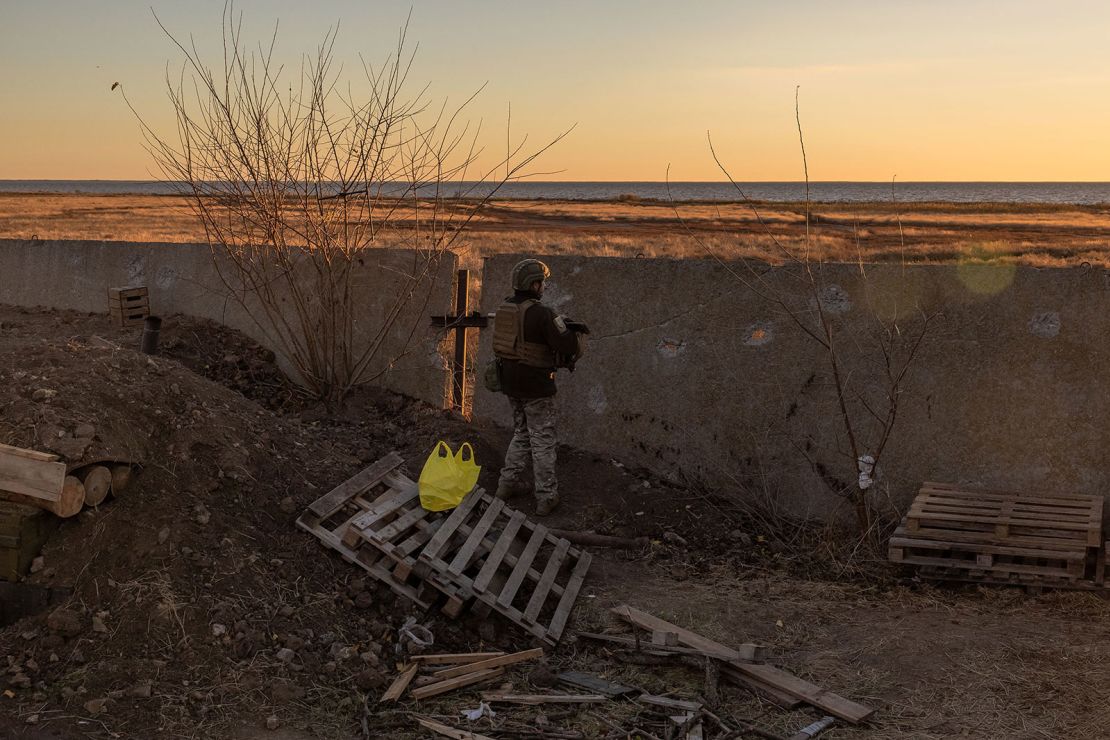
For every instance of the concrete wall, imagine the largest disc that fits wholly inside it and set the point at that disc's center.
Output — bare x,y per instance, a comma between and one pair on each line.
691,372
182,278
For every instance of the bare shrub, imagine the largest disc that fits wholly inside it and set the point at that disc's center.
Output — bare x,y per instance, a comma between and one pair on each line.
295,176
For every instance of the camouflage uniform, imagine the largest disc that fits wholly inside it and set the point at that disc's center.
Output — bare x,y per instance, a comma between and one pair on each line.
533,439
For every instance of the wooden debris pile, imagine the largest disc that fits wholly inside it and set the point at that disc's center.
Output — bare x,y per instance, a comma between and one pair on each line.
656,716
1050,540
482,554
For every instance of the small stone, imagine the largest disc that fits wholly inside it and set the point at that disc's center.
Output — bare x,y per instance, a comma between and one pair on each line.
53,658
282,691
42,394
98,625
84,430
287,611
141,690
77,656
65,622
285,655
272,722
32,719
96,706
673,538
743,538
163,535
288,505
201,515
364,600
29,634
218,630
369,679
38,564
21,681
542,676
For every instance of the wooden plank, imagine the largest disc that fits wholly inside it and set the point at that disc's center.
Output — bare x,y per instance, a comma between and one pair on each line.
30,454
402,524
833,704
442,687
497,697
950,488
500,660
384,507
397,688
596,684
522,565
475,538
441,729
748,652
765,691
543,588
41,479
497,554
453,658
668,703
447,529
570,596
327,504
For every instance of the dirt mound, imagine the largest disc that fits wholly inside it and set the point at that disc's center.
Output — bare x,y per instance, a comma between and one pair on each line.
197,604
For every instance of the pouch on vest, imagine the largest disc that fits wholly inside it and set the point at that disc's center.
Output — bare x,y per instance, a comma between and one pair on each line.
447,477
491,378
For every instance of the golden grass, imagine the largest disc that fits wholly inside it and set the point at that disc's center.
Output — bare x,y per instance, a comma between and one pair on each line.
1032,234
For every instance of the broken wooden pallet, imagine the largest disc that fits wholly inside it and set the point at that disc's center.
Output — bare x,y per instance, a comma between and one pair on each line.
330,517
989,536
482,551
512,565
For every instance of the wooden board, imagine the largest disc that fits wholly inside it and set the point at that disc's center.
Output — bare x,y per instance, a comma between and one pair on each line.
31,475
510,564
327,504
397,688
831,703
458,682
500,660
495,697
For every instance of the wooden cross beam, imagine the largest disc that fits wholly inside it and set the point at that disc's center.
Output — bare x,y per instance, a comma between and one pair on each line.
459,322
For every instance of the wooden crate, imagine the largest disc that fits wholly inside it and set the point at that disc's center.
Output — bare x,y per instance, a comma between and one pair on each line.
128,306
1000,536
23,532
511,565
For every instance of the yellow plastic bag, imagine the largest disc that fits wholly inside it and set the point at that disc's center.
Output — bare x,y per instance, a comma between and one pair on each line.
447,477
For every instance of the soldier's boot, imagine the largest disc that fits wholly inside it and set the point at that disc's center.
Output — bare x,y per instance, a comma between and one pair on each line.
546,506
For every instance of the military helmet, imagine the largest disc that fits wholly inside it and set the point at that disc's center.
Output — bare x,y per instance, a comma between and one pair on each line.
527,272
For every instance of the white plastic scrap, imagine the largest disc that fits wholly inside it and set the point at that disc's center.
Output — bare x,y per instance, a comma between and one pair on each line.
483,710
416,635
866,465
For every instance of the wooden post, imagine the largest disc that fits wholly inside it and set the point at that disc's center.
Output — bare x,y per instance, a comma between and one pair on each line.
462,297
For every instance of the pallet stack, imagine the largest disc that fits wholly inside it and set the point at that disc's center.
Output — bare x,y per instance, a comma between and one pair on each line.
956,533
482,554
128,306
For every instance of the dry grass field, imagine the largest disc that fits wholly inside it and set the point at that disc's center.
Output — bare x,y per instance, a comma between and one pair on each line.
1034,234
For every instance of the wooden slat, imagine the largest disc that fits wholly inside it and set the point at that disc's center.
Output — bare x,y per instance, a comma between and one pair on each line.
447,529
397,688
543,587
442,687
570,595
40,479
453,658
29,454
497,697
497,554
446,731
831,703
401,525
327,504
948,488
500,660
508,593
383,507
475,538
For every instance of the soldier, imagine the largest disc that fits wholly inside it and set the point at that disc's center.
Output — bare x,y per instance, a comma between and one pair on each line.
530,341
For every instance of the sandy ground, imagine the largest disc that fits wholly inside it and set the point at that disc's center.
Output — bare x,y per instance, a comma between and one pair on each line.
206,537
1043,235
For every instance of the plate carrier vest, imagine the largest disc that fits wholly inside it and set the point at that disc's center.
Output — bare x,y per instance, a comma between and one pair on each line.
508,337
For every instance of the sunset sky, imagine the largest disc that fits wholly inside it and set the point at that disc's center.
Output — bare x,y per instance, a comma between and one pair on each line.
968,90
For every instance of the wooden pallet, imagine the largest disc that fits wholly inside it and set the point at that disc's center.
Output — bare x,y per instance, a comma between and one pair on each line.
329,519
511,565
128,305
999,536
1048,517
